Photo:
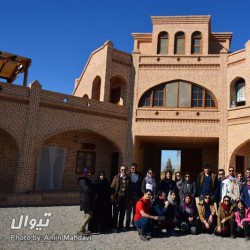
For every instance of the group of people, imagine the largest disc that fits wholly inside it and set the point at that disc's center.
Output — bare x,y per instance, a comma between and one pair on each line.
222,206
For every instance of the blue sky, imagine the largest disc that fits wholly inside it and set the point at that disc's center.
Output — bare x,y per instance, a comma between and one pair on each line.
59,35
172,154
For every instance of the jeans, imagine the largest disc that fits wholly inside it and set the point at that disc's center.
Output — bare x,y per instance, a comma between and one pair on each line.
144,225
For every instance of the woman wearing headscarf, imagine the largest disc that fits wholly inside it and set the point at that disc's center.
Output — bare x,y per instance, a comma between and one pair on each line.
225,218
242,220
172,213
87,197
207,215
188,215
149,182
102,213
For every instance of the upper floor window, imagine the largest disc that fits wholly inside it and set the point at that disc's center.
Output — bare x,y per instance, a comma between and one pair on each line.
162,47
177,95
240,92
196,42
179,47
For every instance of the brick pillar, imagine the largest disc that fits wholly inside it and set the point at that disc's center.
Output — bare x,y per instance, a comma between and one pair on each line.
26,170
108,70
223,106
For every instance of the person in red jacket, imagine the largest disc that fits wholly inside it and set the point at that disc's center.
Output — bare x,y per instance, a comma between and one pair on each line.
242,220
142,216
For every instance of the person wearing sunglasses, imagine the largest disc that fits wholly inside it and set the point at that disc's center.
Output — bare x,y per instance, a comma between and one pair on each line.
247,175
221,178
207,215
121,189
188,186
225,218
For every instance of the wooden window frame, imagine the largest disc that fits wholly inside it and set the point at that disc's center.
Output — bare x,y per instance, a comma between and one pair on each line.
175,43
204,91
193,37
159,41
79,168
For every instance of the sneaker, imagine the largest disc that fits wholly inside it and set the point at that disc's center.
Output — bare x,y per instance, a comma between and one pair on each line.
149,237
247,238
85,233
143,237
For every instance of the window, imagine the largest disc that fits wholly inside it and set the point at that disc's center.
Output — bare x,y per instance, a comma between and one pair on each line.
177,95
196,43
197,97
179,47
158,96
162,43
240,92
85,159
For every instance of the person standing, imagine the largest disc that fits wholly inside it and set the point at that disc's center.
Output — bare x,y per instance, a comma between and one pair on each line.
102,213
149,182
121,196
167,184
136,181
188,186
231,173
221,178
87,197
245,195
247,175
207,183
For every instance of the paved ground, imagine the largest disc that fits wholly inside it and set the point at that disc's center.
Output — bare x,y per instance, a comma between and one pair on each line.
64,222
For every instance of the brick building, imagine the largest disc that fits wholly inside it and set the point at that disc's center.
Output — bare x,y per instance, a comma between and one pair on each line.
181,88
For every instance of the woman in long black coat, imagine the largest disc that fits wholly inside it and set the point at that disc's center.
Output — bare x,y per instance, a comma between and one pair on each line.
102,217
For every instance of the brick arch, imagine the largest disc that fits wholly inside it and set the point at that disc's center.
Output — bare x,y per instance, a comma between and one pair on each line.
8,156
243,149
75,129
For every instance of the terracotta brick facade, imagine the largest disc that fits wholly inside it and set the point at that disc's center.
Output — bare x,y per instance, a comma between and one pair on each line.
105,110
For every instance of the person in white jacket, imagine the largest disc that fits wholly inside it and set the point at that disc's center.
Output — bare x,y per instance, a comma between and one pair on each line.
231,188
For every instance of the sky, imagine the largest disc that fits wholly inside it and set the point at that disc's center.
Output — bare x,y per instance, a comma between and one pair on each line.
59,35
173,156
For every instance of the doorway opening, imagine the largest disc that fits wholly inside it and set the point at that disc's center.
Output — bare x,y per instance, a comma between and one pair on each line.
170,160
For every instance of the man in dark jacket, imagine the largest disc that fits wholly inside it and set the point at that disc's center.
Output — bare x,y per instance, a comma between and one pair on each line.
207,183
136,181
87,197
122,193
